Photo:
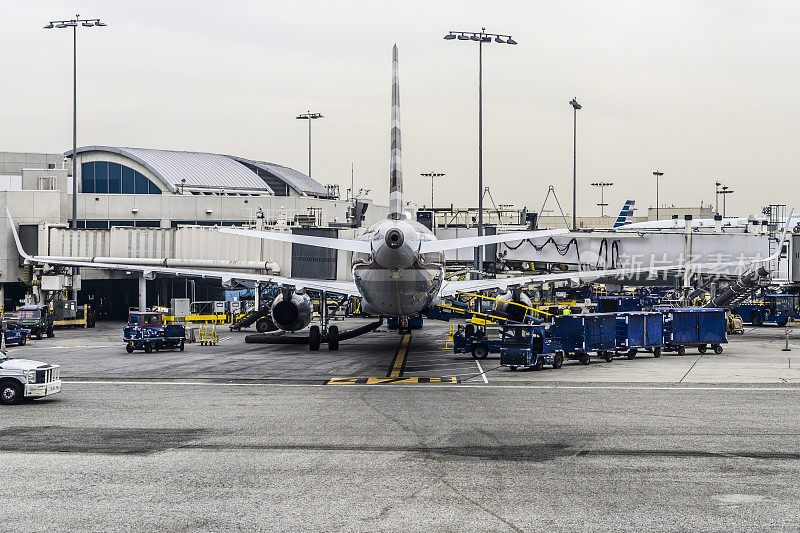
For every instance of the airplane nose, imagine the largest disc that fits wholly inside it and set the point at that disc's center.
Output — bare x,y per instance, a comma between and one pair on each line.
394,238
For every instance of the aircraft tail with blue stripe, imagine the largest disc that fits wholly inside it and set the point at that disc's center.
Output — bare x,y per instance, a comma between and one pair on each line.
626,214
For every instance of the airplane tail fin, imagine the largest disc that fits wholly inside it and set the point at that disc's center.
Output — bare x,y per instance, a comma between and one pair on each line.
395,163
626,214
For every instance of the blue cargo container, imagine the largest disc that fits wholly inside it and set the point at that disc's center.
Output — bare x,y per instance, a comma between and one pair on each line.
581,335
640,331
617,304
693,326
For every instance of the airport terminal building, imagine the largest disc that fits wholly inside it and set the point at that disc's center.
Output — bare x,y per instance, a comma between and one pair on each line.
150,203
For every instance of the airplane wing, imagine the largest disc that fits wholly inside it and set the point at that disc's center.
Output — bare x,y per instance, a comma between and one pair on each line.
338,287
323,242
474,242
451,288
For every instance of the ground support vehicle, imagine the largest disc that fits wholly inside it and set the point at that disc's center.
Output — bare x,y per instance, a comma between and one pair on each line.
698,327
639,331
14,334
735,324
147,331
530,346
476,344
582,335
23,378
38,319
208,335
773,308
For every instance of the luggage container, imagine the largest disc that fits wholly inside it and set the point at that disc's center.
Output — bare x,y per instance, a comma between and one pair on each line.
640,330
617,304
582,335
698,327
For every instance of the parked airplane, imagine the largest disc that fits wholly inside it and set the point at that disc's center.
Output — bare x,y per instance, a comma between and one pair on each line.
398,264
626,214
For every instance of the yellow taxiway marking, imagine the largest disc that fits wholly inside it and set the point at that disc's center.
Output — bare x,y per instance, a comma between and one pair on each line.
406,380
400,357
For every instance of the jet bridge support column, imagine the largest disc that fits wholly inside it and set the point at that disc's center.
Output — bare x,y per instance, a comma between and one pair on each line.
142,292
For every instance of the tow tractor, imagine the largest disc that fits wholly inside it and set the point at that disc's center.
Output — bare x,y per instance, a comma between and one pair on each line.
146,331
529,345
776,308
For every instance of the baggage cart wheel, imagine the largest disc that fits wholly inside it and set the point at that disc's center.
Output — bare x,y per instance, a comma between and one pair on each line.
129,348
157,347
681,350
608,356
148,348
313,338
539,364
584,358
50,333
39,335
513,367
23,341
558,360
702,348
479,351
262,325
717,348
656,352
181,346
631,353
755,318
333,338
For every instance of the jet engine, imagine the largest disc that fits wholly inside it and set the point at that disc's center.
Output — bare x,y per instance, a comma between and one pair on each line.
291,312
514,312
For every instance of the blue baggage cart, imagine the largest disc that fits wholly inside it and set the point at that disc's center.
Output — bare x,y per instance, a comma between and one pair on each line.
694,327
640,331
582,335
617,304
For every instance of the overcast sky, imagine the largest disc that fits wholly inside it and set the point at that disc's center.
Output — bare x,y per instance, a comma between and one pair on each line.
702,90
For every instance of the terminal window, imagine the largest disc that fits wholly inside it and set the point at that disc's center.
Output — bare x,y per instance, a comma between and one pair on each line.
112,178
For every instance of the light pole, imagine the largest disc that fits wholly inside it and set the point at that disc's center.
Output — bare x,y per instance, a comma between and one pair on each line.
657,174
481,38
602,204
575,106
432,175
724,192
309,117
73,23
716,197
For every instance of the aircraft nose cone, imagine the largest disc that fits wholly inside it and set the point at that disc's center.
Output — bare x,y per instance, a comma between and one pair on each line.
394,239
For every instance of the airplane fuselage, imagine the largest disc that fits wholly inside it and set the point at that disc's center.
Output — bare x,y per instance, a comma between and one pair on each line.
395,279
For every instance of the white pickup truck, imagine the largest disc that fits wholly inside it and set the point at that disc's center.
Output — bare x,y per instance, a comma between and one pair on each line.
23,378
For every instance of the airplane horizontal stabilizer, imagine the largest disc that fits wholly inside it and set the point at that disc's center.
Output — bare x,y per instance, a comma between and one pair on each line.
473,242
310,240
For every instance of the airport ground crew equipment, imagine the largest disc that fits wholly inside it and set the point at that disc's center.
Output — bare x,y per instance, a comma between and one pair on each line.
774,308
38,319
147,331
698,327
735,324
582,335
530,346
475,343
639,330
616,304
208,335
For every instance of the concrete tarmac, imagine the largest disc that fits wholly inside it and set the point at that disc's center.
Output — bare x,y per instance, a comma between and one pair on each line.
220,457
250,437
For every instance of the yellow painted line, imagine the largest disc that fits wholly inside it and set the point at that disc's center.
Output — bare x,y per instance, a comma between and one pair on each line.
400,357
405,380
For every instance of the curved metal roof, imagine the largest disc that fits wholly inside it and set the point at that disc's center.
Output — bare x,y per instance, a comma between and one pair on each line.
199,169
298,181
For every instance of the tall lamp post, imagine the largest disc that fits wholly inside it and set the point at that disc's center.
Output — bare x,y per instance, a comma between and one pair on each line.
657,174
432,176
480,37
602,204
63,24
724,192
716,198
309,117
575,106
